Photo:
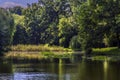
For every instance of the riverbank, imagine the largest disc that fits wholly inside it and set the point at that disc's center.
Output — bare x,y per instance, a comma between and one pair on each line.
37,53
42,52
109,54
39,48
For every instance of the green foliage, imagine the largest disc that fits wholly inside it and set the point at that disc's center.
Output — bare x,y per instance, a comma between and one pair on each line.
67,29
42,18
40,23
97,19
75,43
78,24
116,29
19,19
6,29
20,35
109,13
16,10
89,30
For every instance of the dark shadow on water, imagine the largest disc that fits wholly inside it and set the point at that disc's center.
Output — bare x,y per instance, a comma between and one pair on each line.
6,70
83,70
6,66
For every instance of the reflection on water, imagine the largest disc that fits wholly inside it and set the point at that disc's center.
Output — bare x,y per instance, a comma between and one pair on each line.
86,70
105,67
34,76
6,76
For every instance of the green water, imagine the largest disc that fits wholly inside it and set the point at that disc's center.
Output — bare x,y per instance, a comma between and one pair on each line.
84,70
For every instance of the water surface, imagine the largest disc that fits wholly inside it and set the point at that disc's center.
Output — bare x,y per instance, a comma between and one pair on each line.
85,70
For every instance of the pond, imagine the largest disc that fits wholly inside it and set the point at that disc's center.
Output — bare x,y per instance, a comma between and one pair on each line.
84,70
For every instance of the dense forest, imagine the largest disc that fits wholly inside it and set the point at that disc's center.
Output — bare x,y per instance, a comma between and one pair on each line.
75,24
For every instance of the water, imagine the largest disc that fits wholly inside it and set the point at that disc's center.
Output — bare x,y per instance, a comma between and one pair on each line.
85,70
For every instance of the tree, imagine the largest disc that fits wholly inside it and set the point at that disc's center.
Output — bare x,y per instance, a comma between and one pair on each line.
16,10
20,35
109,13
90,30
34,21
97,19
42,19
116,30
6,30
67,29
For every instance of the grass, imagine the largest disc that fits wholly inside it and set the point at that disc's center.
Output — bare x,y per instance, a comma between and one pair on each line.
39,52
39,48
109,54
36,52
106,51
22,55
35,55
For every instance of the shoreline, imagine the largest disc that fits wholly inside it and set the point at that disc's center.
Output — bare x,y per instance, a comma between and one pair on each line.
39,52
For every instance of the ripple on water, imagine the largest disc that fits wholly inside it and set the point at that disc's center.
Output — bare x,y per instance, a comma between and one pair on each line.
34,76
6,77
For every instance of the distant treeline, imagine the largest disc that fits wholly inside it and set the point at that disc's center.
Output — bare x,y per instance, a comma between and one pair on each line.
77,24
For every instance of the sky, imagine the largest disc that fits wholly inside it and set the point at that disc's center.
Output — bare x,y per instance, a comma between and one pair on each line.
10,3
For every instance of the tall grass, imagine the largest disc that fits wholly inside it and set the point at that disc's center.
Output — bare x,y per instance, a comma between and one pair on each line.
37,52
20,55
35,55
